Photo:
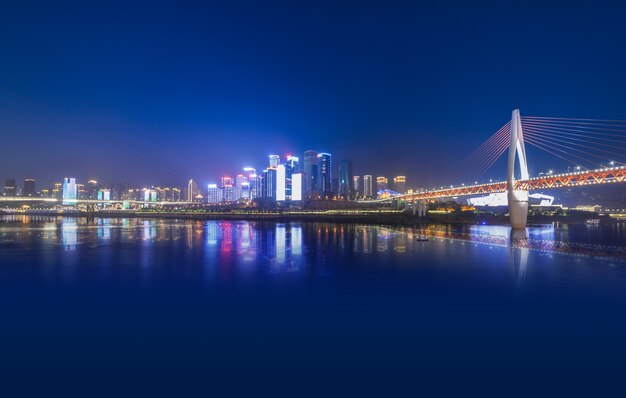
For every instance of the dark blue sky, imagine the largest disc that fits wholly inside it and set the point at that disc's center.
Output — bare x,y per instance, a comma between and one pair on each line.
156,93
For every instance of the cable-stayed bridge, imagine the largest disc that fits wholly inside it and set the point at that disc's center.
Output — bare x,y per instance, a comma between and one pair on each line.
583,143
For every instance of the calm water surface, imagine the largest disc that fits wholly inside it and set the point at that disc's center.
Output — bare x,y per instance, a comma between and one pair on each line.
199,308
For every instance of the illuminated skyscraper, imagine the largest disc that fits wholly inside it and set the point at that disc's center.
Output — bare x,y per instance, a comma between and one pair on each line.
346,180
192,191
399,184
309,183
70,190
281,183
292,166
296,187
269,184
382,183
324,177
368,186
228,190
214,194
274,161
242,187
357,187
29,187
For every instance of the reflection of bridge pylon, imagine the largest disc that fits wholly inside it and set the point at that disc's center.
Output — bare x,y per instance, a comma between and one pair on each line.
519,256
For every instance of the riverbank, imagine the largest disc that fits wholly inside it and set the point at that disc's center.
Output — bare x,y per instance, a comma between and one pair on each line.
387,217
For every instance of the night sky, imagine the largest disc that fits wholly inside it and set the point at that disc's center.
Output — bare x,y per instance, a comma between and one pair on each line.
158,93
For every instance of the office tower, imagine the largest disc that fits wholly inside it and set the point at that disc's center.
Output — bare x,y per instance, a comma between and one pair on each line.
281,183
291,166
242,187
149,195
357,187
29,187
10,188
176,196
228,189
70,190
296,187
324,177
274,161
104,194
310,173
192,190
214,194
254,181
346,180
368,186
82,194
382,183
92,189
399,184
269,184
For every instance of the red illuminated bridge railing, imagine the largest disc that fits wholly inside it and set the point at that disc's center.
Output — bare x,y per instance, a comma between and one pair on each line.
577,179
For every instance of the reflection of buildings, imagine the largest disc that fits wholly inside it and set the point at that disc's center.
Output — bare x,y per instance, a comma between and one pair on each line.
69,234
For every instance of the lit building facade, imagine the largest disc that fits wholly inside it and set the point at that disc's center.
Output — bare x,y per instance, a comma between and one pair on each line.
192,190
274,161
399,184
346,180
309,182
368,186
357,187
214,194
70,190
324,176
382,183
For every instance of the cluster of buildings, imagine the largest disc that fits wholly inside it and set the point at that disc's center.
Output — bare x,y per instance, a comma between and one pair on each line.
292,180
285,180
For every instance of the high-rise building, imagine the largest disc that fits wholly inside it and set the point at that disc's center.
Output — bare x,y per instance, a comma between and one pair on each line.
296,187
368,186
10,187
274,161
309,183
324,177
357,186
254,180
214,194
292,166
382,183
70,190
399,184
281,183
29,187
242,187
92,189
192,190
228,189
346,180
269,184
104,194
150,195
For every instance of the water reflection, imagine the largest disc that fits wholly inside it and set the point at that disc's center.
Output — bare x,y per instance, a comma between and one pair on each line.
228,249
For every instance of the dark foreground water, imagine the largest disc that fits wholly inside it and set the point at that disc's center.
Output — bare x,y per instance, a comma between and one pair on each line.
150,307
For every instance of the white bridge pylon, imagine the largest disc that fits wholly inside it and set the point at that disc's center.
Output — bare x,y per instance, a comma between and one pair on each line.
518,200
